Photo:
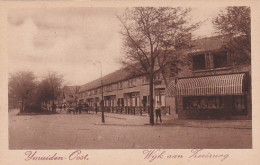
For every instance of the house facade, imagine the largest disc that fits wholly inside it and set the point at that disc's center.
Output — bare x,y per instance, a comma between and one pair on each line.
211,85
124,93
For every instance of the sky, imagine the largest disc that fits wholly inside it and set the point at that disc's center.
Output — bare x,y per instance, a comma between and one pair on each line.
74,41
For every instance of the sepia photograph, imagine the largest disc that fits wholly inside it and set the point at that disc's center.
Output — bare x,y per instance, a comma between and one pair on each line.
129,78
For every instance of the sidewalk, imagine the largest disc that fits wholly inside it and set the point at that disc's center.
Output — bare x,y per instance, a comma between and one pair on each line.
137,120
237,124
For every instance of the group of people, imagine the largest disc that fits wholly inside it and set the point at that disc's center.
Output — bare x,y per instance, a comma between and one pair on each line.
76,109
79,108
64,107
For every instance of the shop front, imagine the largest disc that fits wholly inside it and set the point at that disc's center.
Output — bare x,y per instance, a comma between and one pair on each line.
212,97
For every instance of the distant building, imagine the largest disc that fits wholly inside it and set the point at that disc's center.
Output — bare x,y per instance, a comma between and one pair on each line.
69,95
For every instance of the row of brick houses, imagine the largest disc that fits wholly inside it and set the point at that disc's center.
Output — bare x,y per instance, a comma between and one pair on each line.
210,86
122,91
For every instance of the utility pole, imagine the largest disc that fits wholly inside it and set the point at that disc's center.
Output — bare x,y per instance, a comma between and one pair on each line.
102,97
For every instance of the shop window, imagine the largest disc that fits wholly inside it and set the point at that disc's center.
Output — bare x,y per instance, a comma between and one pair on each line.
220,60
204,102
239,105
199,62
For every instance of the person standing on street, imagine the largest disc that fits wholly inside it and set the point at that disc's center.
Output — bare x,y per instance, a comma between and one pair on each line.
54,107
158,111
76,108
96,108
80,108
87,108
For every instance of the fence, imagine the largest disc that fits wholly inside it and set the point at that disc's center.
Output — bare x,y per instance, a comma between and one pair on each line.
132,110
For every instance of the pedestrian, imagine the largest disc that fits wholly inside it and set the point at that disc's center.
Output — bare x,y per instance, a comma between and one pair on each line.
60,107
87,108
54,107
96,108
80,108
158,111
64,106
76,108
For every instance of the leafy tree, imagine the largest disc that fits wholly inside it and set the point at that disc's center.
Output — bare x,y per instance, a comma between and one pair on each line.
236,22
20,88
31,94
50,87
153,38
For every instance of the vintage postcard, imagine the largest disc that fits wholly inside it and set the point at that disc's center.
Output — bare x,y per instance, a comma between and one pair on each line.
129,82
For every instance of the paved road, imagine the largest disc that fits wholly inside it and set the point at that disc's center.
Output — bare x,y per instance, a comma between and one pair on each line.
85,131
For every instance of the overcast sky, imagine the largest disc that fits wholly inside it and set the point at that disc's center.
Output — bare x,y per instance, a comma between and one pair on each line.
70,41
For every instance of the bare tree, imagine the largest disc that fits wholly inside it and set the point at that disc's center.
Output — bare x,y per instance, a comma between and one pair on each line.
20,87
153,38
236,22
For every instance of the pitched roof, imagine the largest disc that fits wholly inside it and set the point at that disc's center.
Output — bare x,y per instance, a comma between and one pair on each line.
203,44
114,77
70,89
209,43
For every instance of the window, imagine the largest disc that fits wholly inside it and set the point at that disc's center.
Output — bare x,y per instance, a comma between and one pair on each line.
134,82
145,80
131,82
203,102
220,60
109,87
120,85
157,79
199,62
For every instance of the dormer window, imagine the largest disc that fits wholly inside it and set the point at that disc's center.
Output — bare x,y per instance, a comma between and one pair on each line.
199,62
210,60
220,59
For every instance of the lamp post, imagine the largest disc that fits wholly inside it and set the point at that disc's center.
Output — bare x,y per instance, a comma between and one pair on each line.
102,97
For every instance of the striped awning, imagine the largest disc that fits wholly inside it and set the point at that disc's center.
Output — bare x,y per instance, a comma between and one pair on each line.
231,84
170,91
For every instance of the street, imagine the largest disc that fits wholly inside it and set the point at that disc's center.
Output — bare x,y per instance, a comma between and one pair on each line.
85,131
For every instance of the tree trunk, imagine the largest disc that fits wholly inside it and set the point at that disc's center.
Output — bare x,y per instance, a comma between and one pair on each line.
151,101
21,110
52,106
